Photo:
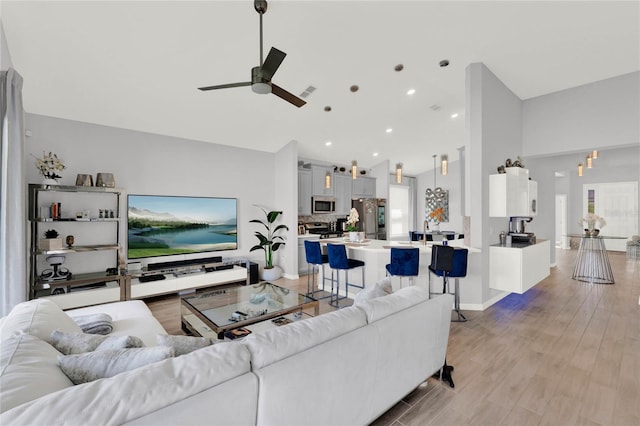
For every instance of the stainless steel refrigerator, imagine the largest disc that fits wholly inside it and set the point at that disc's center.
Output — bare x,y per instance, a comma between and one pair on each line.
373,217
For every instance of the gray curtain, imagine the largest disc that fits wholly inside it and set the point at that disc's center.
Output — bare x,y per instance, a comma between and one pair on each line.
13,235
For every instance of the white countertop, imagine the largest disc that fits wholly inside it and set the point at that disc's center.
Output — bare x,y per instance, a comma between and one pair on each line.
384,245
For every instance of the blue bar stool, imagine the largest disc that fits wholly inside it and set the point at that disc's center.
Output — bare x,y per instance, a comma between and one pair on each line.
447,262
338,261
315,259
405,262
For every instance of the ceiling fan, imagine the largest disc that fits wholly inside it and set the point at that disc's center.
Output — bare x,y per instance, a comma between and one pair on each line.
262,74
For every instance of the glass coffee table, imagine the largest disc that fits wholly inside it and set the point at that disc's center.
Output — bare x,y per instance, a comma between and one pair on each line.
226,309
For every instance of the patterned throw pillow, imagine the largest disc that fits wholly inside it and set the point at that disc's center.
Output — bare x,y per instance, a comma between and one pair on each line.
90,366
183,344
77,343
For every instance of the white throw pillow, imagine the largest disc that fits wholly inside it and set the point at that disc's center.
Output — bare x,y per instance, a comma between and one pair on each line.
95,365
381,288
39,317
78,343
183,344
28,370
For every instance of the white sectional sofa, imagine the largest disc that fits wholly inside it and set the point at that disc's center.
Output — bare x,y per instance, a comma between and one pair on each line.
342,368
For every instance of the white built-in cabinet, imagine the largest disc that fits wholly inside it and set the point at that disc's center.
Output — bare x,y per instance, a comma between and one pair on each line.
304,192
363,187
517,269
318,183
343,193
513,194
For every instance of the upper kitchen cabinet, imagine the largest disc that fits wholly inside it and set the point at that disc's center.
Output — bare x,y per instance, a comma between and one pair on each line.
342,185
304,192
513,194
318,176
363,187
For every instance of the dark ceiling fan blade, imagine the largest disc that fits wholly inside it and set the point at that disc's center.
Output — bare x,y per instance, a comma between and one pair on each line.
271,64
225,86
289,97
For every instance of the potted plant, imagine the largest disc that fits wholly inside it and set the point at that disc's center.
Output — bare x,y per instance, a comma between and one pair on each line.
51,241
270,242
352,225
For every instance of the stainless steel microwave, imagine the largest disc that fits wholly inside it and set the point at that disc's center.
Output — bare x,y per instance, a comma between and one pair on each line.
323,205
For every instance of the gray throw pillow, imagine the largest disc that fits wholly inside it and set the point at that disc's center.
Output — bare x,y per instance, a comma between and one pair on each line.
77,343
91,366
183,344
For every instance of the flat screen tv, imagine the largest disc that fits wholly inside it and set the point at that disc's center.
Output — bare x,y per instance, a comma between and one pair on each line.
160,225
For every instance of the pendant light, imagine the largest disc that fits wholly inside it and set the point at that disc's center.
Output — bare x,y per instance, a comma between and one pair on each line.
444,164
399,173
580,169
327,180
594,154
589,162
354,169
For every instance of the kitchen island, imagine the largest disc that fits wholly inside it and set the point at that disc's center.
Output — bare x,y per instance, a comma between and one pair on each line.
376,255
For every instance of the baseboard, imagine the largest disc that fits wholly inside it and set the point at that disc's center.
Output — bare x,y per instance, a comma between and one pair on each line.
482,306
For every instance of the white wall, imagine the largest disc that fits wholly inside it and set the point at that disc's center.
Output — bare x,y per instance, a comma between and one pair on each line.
286,199
603,114
144,163
493,134
5,56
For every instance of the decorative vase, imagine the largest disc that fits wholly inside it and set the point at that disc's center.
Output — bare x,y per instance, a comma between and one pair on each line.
435,227
353,236
270,274
49,181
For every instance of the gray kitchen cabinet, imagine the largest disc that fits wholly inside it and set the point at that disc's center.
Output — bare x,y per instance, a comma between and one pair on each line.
363,187
302,258
318,174
342,185
304,192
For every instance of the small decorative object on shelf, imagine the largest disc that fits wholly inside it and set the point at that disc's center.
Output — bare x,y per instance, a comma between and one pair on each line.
508,163
591,220
70,239
49,166
51,241
84,180
105,180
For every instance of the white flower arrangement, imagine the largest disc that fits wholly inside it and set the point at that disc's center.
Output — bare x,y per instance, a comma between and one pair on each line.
591,220
49,165
352,220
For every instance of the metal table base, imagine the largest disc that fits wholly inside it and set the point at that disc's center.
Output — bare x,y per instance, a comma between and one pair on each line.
592,263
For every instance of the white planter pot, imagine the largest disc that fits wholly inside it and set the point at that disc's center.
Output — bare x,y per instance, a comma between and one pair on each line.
356,236
50,244
270,274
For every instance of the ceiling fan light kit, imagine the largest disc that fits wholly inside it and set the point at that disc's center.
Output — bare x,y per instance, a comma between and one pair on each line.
261,75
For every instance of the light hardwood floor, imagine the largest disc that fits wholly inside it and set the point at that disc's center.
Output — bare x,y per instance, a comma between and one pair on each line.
563,353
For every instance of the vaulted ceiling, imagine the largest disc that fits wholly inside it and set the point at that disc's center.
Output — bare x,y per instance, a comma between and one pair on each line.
136,65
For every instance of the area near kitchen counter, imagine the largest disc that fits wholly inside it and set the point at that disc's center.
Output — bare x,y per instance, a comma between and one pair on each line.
518,267
376,254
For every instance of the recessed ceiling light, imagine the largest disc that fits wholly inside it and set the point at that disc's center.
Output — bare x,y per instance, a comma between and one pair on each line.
375,154
411,92
327,143
454,115
444,63
389,130
399,67
354,88
327,108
